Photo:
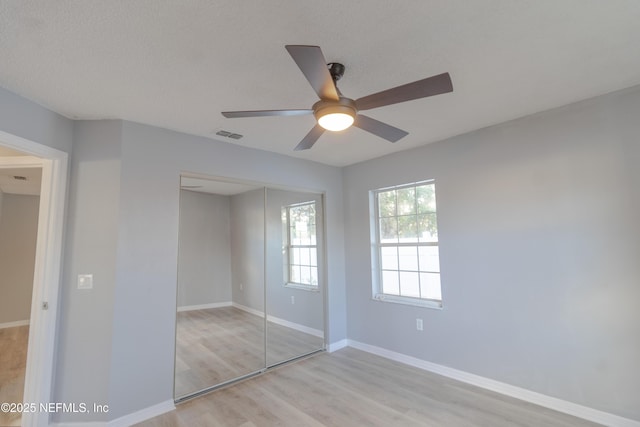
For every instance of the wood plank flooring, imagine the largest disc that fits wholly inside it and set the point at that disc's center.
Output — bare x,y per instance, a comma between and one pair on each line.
354,388
219,344
13,362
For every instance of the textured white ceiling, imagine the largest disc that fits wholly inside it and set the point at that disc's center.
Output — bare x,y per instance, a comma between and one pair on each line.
178,64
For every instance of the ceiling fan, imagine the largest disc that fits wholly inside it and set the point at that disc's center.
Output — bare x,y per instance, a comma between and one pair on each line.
335,112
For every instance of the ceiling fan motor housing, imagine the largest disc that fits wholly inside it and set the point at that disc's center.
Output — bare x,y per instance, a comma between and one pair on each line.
336,70
343,105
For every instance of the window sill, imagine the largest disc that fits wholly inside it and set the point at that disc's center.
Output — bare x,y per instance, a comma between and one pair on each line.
302,287
436,305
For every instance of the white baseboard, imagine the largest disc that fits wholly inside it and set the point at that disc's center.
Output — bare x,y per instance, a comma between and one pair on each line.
248,309
204,306
554,403
14,324
127,420
298,327
335,346
143,415
80,424
282,322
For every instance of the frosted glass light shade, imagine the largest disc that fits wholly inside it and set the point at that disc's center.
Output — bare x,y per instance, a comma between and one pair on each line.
336,121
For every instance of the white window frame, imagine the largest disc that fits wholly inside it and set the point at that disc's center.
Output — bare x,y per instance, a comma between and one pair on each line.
288,245
376,252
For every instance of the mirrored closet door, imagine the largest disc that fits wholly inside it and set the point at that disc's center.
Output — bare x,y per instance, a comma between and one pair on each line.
220,326
294,289
250,291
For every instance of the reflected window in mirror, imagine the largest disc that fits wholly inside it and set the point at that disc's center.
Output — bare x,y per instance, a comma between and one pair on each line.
300,250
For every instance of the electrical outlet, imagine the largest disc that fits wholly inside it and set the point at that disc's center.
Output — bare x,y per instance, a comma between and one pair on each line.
241,287
293,299
419,324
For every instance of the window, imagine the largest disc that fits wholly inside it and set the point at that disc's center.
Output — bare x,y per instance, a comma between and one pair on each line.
405,245
301,251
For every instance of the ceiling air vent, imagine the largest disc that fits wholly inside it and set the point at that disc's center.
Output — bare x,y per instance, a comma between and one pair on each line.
19,178
229,134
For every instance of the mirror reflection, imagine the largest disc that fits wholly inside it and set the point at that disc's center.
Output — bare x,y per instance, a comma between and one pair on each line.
250,289
220,325
294,277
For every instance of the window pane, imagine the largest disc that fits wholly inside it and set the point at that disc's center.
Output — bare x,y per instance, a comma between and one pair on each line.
388,230
429,258
408,256
407,229
305,275
428,227
426,197
302,233
304,256
295,255
406,224
406,201
390,283
430,286
389,258
295,274
387,203
314,276
409,284
313,253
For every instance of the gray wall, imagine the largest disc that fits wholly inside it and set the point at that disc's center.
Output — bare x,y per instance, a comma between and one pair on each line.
29,120
86,316
116,342
307,310
539,249
18,233
142,354
247,249
204,249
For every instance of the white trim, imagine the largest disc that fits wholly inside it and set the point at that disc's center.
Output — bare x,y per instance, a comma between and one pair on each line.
14,324
46,280
143,414
338,345
204,306
281,322
80,424
298,327
554,403
127,420
248,309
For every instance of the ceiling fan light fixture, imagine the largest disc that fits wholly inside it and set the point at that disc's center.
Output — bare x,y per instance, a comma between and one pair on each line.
335,117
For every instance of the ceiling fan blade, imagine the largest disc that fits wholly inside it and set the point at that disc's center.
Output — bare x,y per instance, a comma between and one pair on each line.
311,62
378,128
265,113
311,138
430,86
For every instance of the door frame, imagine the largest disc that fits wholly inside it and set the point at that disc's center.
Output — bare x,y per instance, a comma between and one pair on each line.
38,386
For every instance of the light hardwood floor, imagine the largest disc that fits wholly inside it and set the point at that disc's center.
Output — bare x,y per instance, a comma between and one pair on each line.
13,361
219,344
354,388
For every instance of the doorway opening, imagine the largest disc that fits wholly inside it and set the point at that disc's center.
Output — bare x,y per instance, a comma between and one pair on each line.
32,319
19,211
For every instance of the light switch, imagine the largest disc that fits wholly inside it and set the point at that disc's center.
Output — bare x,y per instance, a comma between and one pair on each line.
85,281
